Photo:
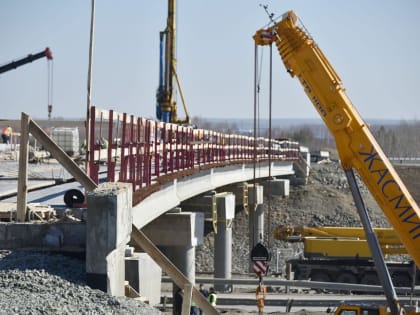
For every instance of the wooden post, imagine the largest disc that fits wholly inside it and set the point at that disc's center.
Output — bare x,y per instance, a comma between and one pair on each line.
23,168
186,301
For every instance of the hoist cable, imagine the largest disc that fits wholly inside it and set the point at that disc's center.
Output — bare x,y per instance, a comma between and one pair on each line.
270,90
50,87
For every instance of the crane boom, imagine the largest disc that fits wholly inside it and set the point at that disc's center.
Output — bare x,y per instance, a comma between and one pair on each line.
14,64
343,242
356,145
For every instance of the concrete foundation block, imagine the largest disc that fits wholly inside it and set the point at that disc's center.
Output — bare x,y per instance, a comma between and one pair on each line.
60,235
144,276
189,229
108,230
277,187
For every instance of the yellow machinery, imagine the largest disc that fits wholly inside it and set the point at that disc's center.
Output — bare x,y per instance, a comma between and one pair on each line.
340,242
342,254
356,146
166,107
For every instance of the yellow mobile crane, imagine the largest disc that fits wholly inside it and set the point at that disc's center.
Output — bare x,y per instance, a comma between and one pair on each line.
342,254
357,148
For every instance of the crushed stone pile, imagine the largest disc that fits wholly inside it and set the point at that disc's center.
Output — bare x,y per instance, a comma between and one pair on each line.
42,283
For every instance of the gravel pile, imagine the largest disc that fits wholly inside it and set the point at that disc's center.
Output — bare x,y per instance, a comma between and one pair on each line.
40,283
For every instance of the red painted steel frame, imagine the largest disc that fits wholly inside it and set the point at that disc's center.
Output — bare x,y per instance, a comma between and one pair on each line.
140,151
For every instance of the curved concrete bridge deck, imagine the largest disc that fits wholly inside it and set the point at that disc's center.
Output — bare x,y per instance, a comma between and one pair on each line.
179,190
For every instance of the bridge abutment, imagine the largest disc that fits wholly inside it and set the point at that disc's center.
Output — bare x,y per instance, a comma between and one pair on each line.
108,230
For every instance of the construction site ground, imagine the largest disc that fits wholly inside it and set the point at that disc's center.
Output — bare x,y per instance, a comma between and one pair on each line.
324,200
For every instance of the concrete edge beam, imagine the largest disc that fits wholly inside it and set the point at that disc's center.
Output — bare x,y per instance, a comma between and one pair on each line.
173,194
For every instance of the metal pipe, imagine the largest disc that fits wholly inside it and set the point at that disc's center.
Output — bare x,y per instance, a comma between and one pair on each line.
374,246
89,87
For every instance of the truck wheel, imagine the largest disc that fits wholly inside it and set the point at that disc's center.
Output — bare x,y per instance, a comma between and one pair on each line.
320,276
401,279
370,278
346,277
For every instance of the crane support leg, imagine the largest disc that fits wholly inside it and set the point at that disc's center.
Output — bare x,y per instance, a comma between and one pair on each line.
374,246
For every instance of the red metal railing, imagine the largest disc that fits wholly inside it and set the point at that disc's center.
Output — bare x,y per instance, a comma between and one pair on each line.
140,151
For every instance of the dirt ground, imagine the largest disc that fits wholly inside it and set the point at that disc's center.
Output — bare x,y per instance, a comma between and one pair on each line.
327,201
324,201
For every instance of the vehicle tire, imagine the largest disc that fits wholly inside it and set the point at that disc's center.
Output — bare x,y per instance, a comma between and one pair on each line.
370,279
73,196
320,276
401,279
346,277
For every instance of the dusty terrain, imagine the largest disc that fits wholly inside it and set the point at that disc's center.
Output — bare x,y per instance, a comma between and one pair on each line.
325,201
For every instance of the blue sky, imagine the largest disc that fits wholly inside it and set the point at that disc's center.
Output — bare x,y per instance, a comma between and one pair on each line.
373,45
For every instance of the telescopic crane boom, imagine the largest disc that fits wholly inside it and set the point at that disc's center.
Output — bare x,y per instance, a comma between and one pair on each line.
14,64
357,148
343,242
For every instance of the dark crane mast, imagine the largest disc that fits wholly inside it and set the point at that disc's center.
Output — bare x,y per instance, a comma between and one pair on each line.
15,64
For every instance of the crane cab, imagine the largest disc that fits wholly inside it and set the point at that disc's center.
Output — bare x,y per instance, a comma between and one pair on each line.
361,310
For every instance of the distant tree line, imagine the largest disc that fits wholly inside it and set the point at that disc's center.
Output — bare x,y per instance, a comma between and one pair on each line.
397,140
402,140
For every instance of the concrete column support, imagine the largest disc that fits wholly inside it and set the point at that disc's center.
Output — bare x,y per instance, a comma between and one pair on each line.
302,166
223,239
108,229
256,226
255,218
256,215
277,187
177,234
183,257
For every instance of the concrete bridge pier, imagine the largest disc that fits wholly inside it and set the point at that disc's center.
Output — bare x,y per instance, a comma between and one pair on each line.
225,203
256,215
255,218
276,187
183,257
220,208
177,234
108,230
